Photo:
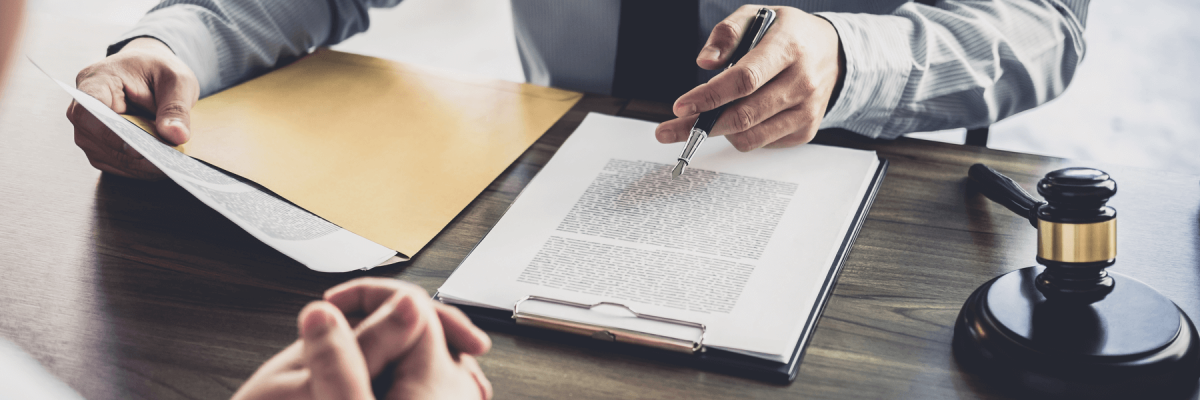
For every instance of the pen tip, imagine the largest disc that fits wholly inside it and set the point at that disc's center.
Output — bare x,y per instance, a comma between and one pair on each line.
678,170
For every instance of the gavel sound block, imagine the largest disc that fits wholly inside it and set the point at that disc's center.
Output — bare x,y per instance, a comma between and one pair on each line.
1068,327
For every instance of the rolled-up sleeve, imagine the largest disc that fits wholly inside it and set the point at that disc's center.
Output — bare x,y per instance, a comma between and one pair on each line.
959,64
226,42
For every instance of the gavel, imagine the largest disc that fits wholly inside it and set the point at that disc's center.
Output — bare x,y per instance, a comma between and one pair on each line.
1069,327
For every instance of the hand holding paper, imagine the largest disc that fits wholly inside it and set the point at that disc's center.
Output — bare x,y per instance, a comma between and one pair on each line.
383,152
144,74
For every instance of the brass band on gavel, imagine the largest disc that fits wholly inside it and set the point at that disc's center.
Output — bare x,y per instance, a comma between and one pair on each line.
1077,243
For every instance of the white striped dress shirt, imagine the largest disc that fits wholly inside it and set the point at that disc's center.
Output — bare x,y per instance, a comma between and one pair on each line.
909,67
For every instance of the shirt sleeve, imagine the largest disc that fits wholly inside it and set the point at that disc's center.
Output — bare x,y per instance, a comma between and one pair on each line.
959,64
226,42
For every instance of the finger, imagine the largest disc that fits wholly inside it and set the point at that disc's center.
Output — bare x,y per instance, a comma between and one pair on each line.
394,329
108,169
754,70
139,175
426,346
725,37
108,89
88,126
472,366
103,86
796,121
332,355
174,96
783,92
71,111
365,295
461,334
102,143
126,162
139,169
676,130
99,143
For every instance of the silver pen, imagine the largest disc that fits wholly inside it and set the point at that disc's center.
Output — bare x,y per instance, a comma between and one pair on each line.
704,124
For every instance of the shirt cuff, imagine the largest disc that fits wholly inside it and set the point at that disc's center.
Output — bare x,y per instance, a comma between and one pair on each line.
182,28
878,63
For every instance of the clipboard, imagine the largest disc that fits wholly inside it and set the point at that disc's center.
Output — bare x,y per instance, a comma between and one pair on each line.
670,350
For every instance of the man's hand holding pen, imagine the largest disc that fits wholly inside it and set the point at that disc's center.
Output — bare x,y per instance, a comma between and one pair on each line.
784,84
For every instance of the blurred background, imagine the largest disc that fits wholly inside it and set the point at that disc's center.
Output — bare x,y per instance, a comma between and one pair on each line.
1134,100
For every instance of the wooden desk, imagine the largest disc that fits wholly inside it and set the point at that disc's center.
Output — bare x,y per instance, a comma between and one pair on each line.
127,289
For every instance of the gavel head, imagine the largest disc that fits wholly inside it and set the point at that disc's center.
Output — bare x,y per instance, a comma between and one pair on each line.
1077,235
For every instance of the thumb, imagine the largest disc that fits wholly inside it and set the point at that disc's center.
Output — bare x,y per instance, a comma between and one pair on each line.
331,353
461,334
725,37
174,96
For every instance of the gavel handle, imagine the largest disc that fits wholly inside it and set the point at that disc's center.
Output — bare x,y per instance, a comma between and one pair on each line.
1001,189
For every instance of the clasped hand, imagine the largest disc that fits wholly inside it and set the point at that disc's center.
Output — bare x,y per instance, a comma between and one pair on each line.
416,347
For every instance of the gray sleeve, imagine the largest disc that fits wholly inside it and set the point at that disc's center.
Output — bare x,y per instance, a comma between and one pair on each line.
960,64
226,42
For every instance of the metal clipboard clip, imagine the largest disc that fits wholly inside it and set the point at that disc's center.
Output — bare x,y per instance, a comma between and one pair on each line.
610,334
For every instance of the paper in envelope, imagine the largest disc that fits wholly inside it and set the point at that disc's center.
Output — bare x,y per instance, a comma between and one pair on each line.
388,151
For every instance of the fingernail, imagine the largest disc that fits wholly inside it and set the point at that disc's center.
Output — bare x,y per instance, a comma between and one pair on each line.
710,53
317,323
685,110
183,131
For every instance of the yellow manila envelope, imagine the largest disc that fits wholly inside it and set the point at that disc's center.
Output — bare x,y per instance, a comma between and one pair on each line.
388,151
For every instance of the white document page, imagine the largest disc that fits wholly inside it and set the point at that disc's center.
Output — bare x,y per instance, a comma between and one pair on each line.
741,242
306,238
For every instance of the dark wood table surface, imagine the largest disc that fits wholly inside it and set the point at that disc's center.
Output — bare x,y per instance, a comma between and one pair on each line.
128,289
